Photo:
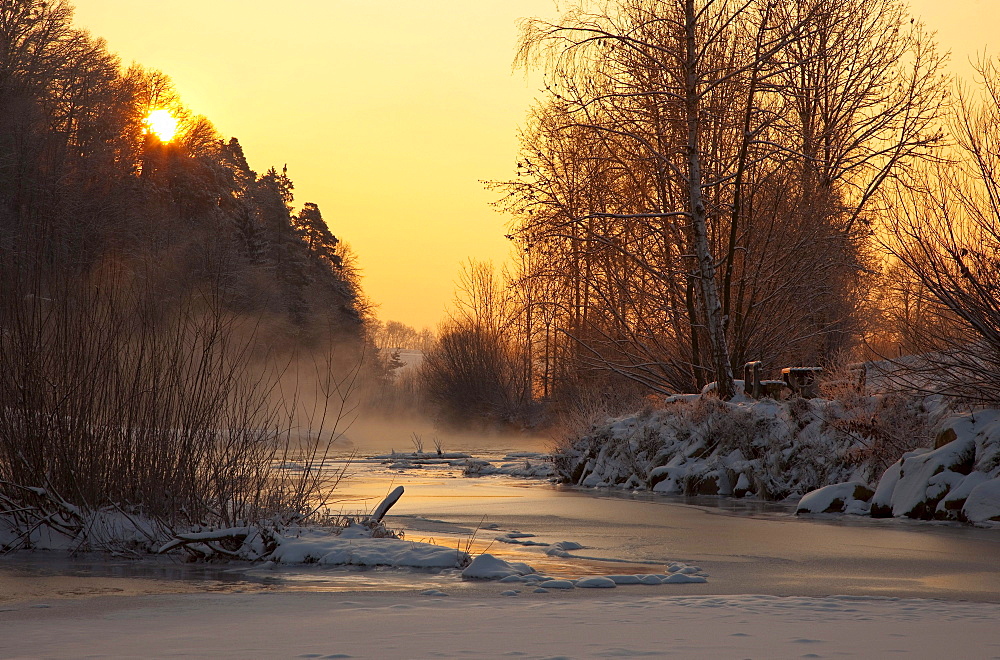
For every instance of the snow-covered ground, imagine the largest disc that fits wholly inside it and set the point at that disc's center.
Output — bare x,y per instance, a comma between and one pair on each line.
595,624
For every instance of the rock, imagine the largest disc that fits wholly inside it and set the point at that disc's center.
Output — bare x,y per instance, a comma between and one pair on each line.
743,486
983,503
862,492
667,480
944,437
714,482
951,505
916,495
882,499
835,498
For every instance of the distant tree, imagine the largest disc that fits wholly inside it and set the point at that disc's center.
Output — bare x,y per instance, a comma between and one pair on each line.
474,371
395,335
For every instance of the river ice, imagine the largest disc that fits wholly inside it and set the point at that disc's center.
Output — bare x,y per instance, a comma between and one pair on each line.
556,624
771,589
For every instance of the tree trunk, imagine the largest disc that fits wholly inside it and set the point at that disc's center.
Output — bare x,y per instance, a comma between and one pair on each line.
699,222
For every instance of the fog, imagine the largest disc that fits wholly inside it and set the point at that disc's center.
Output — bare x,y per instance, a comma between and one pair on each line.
371,434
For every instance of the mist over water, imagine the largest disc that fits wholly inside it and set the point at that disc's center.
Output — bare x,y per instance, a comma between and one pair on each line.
371,434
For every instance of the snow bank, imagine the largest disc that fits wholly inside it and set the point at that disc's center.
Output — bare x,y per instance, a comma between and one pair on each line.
698,445
315,546
824,453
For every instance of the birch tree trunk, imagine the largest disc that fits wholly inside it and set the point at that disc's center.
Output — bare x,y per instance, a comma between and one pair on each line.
714,322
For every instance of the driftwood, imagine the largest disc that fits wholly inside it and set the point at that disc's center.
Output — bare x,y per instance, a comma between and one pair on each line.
386,504
208,539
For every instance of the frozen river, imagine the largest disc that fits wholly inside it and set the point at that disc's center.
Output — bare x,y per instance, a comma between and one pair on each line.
745,548
778,586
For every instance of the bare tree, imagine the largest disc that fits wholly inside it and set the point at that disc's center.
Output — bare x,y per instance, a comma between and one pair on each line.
475,370
673,182
948,235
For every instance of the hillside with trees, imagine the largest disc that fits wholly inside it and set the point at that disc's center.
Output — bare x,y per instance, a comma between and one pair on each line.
88,192
168,319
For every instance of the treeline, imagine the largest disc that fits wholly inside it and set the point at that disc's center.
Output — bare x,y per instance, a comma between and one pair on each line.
707,183
85,187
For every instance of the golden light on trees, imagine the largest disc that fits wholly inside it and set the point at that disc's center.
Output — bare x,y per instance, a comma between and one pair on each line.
161,124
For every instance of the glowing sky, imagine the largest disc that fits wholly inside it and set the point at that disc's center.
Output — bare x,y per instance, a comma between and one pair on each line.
387,112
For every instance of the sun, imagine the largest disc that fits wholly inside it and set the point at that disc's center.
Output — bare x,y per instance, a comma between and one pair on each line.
162,124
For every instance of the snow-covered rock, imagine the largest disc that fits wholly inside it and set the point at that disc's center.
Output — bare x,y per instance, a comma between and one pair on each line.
712,482
597,582
926,478
849,497
743,486
557,584
937,483
951,505
882,499
681,578
983,503
488,567
668,480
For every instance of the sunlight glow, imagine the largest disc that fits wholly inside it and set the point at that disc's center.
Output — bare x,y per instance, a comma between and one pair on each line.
162,124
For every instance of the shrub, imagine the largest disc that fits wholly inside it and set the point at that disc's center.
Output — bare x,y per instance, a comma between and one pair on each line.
164,411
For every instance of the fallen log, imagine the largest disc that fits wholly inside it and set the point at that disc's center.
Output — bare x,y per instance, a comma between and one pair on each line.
386,504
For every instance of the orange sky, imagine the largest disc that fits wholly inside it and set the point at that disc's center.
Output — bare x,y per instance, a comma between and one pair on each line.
388,113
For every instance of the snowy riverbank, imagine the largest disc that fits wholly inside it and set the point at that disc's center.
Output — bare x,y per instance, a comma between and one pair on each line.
858,455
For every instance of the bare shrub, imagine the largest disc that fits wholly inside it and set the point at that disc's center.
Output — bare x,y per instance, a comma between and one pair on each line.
882,428
946,232
167,411
589,407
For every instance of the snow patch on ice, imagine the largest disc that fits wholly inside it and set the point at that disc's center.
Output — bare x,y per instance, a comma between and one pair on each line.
316,546
488,567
